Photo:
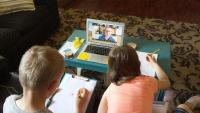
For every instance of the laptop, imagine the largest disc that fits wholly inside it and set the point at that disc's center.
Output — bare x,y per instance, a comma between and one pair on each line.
101,36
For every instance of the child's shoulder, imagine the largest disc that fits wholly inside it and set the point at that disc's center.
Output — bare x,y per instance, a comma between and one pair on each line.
145,80
11,107
9,104
143,77
13,98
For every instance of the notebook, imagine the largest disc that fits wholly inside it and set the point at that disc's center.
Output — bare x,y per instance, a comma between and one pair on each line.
101,36
145,66
64,100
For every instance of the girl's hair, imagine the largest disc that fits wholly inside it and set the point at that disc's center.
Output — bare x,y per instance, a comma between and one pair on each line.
123,64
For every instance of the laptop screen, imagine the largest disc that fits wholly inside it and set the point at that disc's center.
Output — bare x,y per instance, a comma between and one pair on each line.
105,32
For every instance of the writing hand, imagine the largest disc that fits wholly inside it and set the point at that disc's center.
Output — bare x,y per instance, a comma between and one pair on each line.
81,99
150,58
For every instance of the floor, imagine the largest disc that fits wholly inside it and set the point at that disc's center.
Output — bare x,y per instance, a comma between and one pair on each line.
184,10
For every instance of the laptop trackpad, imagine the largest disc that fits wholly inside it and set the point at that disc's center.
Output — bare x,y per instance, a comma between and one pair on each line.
98,58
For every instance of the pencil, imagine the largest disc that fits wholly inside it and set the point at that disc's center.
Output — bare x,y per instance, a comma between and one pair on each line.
157,50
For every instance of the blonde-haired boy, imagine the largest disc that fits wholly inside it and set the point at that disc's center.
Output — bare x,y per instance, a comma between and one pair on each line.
40,72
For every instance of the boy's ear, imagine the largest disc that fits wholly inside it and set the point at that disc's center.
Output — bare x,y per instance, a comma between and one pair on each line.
52,85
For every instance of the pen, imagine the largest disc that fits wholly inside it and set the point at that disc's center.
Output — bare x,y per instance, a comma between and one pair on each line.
157,50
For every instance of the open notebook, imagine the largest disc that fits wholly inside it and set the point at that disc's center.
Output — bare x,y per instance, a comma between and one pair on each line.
146,68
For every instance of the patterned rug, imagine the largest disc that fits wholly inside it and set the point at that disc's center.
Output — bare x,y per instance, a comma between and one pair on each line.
183,37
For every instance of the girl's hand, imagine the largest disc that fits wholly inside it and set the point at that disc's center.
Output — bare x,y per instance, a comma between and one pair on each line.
150,58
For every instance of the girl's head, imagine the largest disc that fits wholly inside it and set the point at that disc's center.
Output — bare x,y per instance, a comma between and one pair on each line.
123,64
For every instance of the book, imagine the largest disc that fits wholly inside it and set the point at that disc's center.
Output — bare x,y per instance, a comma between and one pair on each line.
160,107
67,46
71,46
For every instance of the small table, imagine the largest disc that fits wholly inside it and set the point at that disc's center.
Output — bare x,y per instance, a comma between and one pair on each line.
144,45
164,58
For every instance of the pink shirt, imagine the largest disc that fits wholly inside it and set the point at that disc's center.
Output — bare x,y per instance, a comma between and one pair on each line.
134,96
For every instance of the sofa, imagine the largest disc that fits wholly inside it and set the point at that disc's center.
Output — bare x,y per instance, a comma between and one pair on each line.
21,30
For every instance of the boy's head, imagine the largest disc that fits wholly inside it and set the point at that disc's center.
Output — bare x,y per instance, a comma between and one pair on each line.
123,64
39,67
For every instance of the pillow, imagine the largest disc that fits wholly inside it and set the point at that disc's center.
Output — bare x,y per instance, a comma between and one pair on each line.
10,6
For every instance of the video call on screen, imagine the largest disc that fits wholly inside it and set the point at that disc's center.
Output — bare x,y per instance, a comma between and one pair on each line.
105,32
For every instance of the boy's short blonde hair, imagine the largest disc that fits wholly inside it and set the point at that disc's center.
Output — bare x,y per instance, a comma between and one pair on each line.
39,66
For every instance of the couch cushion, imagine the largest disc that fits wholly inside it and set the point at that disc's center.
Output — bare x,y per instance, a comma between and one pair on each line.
4,74
9,6
8,37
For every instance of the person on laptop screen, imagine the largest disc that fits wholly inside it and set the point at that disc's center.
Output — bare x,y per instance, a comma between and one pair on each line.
106,36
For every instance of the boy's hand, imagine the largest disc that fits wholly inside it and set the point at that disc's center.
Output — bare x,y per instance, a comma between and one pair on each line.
81,99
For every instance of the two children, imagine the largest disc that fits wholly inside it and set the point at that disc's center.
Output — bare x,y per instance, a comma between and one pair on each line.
40,72
41,69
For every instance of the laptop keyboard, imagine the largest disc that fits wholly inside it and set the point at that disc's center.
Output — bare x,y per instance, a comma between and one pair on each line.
97,50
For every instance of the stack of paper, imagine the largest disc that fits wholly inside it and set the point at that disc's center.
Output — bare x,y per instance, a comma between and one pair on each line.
160,107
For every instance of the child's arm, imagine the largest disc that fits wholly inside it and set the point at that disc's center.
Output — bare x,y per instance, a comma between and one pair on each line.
103,106
163,80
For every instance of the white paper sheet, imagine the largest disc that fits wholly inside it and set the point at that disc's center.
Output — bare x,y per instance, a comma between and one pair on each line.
64,100
146,68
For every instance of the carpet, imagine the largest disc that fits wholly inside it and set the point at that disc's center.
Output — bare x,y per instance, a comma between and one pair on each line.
183,37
